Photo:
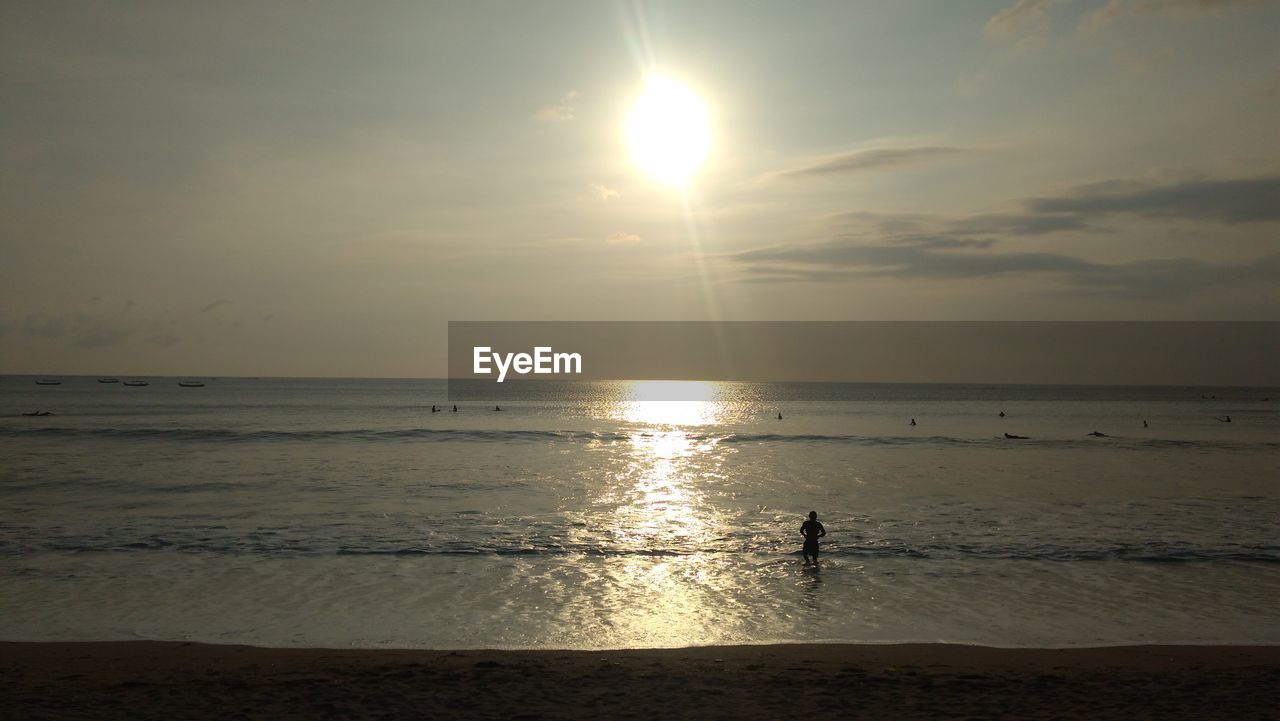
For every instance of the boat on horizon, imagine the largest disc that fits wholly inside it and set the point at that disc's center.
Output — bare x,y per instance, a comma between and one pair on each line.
48,382
137,384
108,380
191,384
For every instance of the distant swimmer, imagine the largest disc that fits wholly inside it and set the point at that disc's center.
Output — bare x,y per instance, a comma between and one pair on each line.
779,416
1019,438
455,409
497,408
812,530
1002,414
434,409
1144,424
1224,419
38,414
1098,434
913,421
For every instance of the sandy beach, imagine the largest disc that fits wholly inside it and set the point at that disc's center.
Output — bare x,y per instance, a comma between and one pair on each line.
162,680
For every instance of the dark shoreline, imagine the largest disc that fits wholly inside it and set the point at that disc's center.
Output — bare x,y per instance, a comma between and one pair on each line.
171,680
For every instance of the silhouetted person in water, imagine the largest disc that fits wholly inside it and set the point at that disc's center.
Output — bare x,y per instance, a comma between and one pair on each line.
1002,414
434,409
1144,424
497,408
1227,419
455,409
1098,434
779,416
913,421
1017,438
812,530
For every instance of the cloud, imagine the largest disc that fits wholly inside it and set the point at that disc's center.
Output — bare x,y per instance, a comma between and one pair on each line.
1019,224
1117,10
215,304
1024,16
916,260
1249,200
904,226
1079,210
874,159
560,112
101,337
39,325
621,237
602,192
842,260
921,246
84,330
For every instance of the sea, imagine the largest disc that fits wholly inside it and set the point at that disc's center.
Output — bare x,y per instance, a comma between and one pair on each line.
349,513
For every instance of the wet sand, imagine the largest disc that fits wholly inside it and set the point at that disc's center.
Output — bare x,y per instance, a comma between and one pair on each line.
157,680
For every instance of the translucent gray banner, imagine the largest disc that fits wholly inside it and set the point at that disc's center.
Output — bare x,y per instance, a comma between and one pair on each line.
516,360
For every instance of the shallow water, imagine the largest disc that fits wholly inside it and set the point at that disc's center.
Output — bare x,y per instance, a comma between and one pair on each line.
344,512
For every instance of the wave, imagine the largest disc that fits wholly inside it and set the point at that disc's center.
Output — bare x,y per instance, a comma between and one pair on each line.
227,435
1151,552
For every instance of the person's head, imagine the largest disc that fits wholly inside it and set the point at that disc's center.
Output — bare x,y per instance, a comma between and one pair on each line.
813,515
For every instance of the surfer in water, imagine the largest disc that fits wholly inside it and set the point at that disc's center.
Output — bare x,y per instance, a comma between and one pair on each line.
812,530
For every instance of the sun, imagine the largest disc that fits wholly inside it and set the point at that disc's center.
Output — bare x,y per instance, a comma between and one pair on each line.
669,131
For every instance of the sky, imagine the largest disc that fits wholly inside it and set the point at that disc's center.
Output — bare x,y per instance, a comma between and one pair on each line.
316,189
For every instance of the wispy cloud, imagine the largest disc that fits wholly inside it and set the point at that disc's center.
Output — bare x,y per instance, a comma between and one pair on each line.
983,225
602,192
560,112
915,260
844,260
621,237
1117,10
1024,16
215,304
920,246
1249,200
875,159
98,329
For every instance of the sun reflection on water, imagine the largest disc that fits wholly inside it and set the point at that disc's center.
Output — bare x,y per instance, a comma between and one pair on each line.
672,403
665,580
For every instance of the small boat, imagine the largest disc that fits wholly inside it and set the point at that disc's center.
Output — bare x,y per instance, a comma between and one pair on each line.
191,384
108,380
47,382
38,414
136,384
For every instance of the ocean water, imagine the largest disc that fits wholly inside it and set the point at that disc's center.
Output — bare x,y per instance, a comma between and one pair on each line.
302,512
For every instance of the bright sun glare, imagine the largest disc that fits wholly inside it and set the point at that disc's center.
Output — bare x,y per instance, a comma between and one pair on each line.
669,131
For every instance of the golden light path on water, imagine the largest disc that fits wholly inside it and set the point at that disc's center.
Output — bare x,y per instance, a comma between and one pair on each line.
665,588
